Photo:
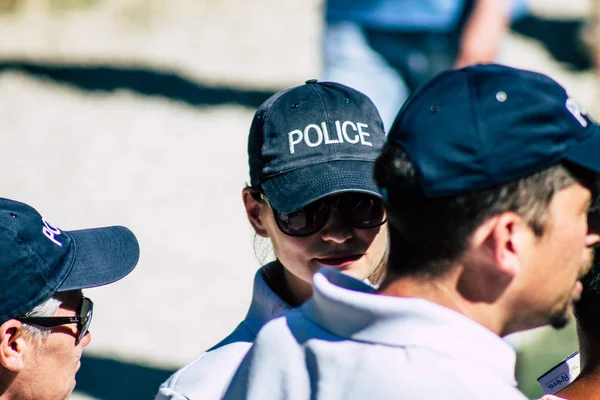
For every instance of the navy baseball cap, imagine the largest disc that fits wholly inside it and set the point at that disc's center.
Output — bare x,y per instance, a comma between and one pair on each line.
37,259
486,125
312,141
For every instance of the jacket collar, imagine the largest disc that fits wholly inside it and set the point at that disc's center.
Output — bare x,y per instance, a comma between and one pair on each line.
351,309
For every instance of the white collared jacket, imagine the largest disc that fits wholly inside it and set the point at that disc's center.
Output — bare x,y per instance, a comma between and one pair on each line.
348,343
208,376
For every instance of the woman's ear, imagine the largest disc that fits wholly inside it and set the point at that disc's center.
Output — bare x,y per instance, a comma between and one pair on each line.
254,209
12,345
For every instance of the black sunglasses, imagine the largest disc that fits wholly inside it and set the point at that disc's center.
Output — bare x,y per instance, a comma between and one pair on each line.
83,320
359,210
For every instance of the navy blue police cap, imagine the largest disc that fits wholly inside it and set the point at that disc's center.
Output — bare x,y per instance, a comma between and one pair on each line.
486,125
312,141
38,259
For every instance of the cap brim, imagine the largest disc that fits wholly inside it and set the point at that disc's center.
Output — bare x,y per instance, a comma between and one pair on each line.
102,256
588,154
295,189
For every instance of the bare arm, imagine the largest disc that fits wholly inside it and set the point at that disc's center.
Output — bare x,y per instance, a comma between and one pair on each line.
483,32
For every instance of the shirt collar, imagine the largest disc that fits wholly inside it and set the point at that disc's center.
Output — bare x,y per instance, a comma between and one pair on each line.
265,304
350,309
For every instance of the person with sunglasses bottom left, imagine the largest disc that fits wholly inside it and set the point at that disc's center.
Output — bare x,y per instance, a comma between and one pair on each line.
44,317
311,153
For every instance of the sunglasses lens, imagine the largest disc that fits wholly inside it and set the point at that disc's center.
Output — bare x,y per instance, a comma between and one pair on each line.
305,221
362,211
87,310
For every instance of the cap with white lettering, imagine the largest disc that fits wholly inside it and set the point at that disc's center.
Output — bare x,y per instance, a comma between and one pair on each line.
486,125
312,141
37,259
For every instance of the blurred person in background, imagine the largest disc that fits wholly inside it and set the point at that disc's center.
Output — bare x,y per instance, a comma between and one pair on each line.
593,41
311,153
488,175
44,316
388,48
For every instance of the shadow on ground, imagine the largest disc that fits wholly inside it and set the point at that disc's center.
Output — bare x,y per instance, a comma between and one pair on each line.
107,78
108,379
562,38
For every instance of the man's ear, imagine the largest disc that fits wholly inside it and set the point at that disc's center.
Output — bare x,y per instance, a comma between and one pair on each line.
492,260
253,212
13,345
504,242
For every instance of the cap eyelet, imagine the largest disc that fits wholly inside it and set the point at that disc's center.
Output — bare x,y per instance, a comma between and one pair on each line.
501,96
434,108
14,215
295,105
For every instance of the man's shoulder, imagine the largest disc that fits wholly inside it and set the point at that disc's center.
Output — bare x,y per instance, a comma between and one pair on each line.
275,366
208,375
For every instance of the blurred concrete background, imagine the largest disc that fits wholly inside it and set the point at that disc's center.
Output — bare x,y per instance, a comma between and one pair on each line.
136,112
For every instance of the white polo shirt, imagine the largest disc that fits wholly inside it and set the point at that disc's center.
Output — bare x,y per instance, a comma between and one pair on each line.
208,376
347,343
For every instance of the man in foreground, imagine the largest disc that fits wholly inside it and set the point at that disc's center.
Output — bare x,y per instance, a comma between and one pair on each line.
44,317
488,175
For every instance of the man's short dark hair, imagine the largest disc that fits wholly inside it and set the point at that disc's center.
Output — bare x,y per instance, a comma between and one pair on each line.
429,235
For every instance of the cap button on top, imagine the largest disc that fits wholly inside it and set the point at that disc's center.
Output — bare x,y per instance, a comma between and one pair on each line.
311,81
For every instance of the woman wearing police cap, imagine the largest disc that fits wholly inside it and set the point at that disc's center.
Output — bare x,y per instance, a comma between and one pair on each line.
311,153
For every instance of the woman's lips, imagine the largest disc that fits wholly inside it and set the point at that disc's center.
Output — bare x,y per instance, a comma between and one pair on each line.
339,261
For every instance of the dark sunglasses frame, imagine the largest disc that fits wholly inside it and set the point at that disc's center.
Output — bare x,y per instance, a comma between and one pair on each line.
330,203
83,319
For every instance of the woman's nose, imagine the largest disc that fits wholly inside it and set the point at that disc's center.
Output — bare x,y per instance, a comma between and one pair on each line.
336,229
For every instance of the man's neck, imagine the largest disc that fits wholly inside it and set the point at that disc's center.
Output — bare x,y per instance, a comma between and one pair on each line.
7,386
444,290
